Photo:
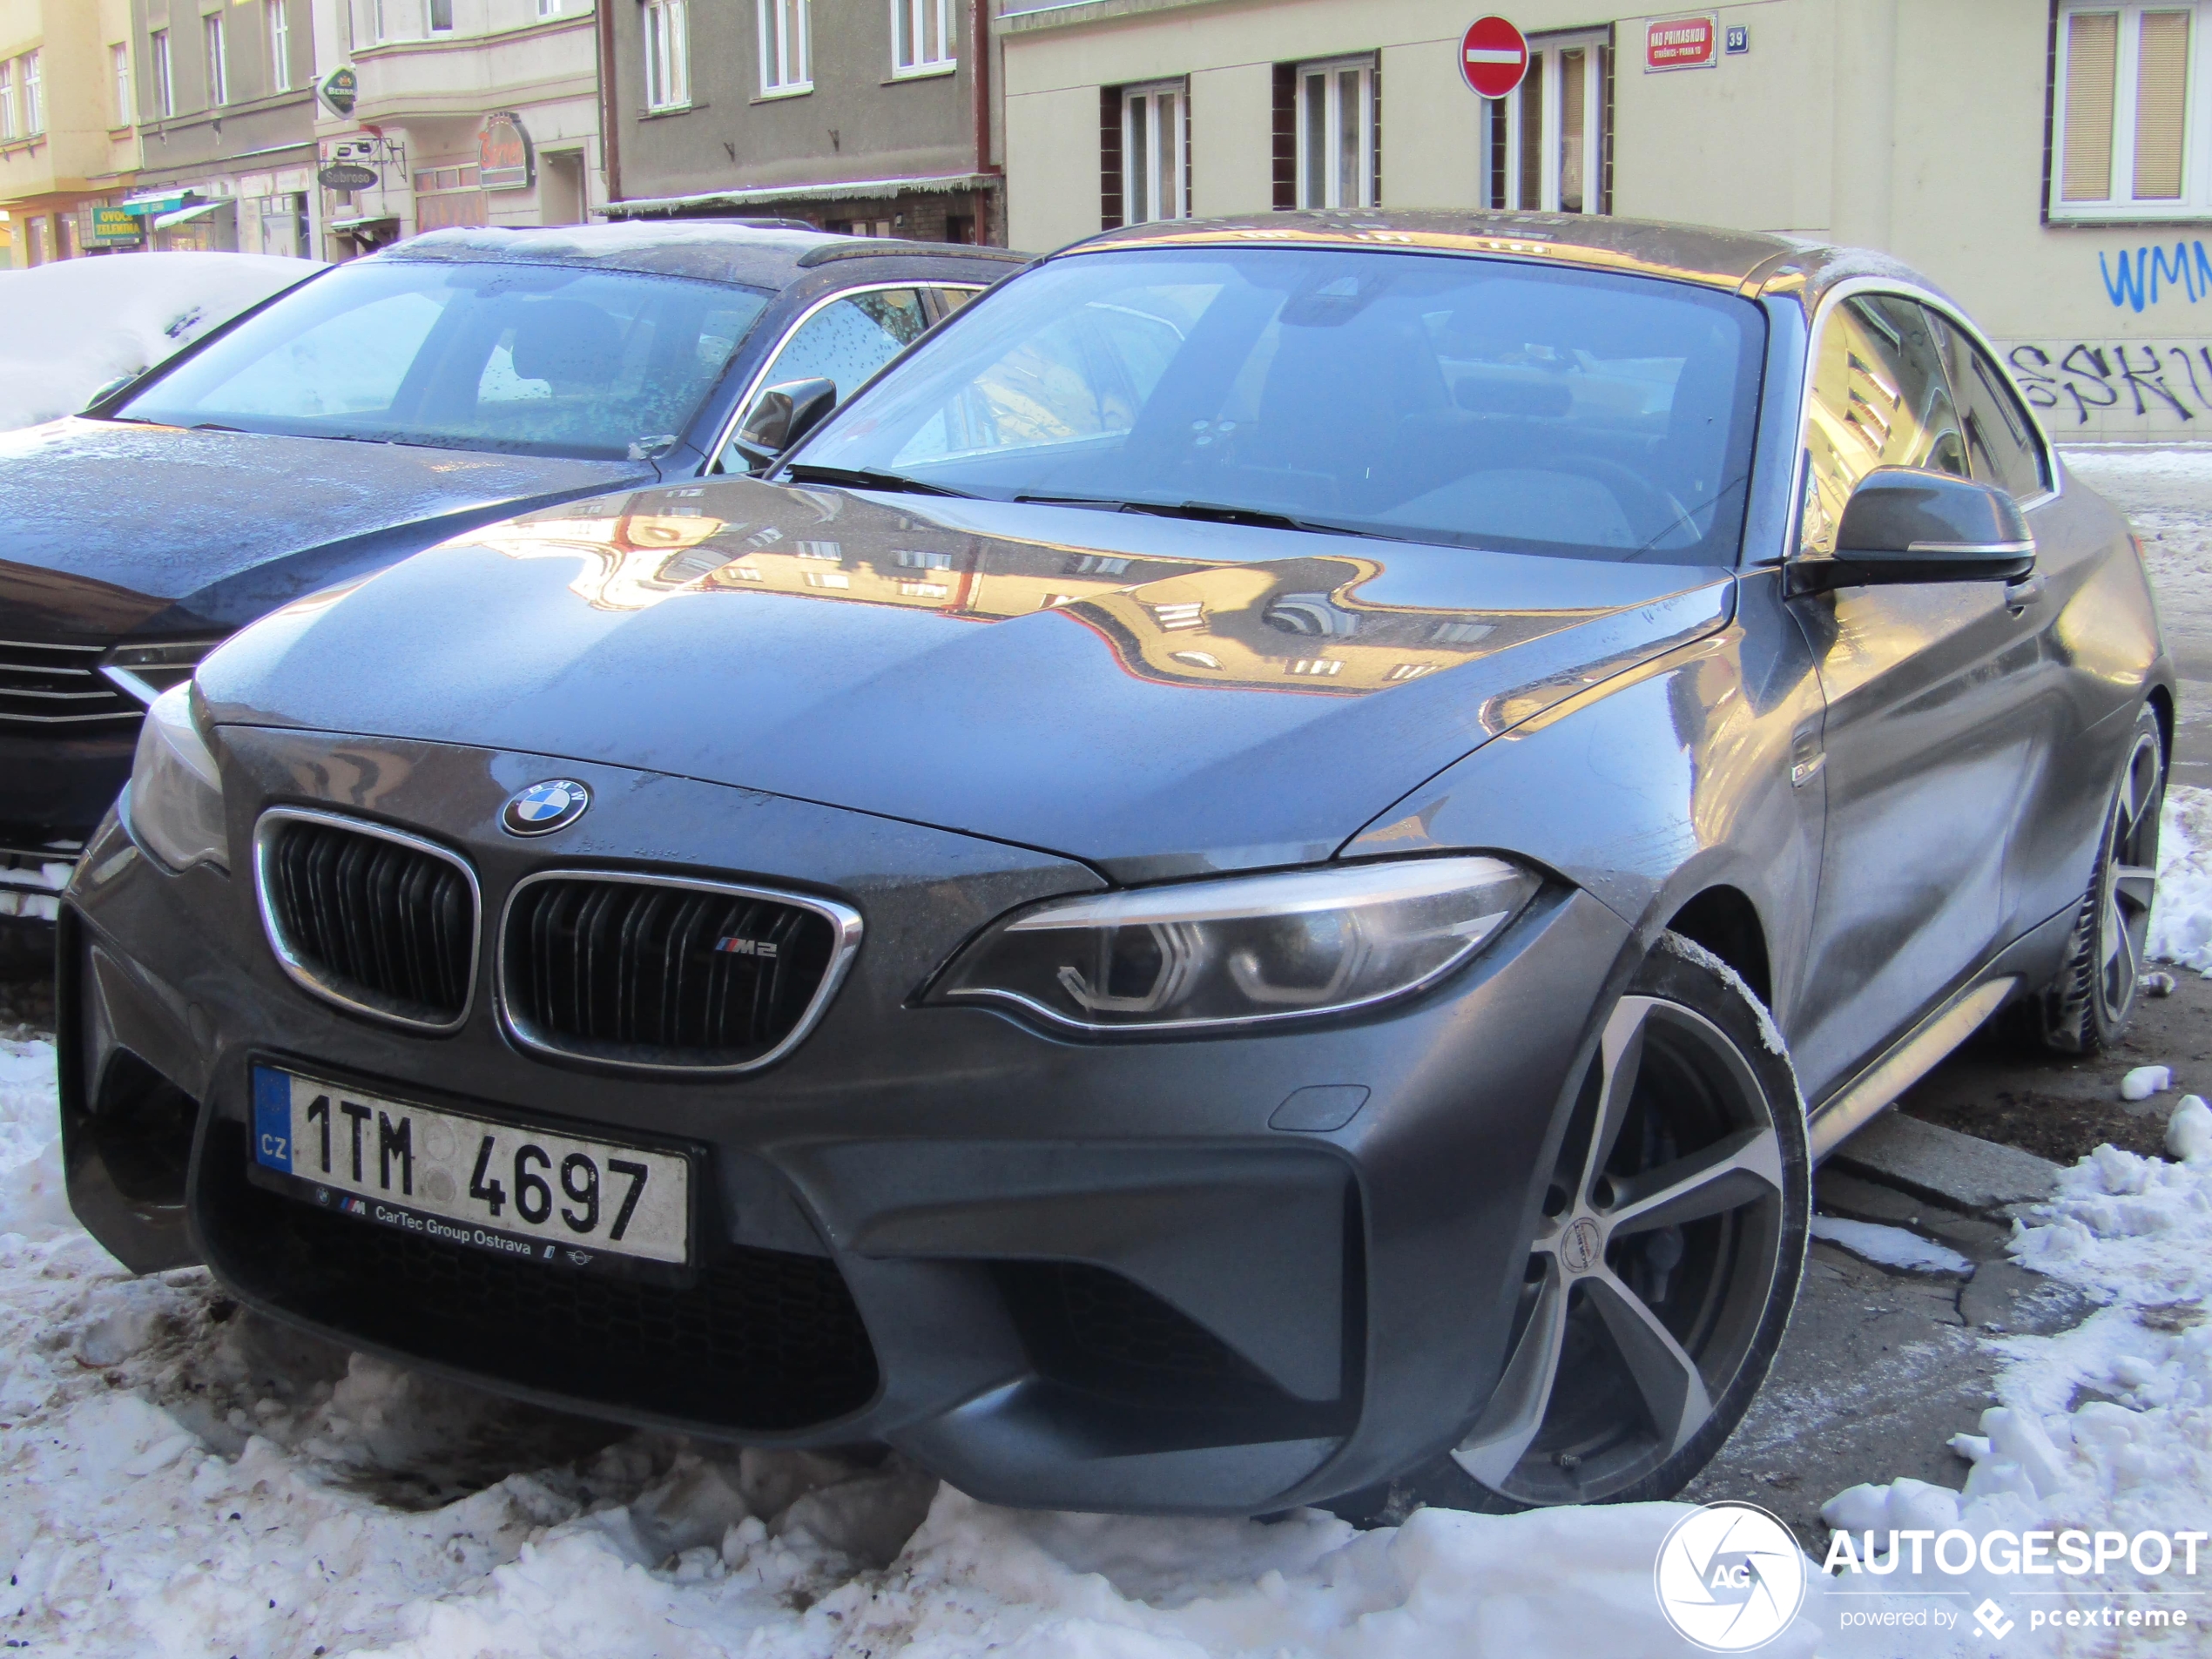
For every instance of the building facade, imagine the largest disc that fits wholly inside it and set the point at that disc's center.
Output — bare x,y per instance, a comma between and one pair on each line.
226,132
466,111
2048,162
865,116
68,139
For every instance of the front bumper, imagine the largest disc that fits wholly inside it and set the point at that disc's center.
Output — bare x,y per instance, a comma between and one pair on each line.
1074,1274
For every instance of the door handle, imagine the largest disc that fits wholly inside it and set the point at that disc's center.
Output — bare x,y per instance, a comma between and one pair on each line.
2022,592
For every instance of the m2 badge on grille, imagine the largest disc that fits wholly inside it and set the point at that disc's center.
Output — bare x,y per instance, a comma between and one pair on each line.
446,1176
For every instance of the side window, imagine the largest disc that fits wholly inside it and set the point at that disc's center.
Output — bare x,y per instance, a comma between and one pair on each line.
1880,398
2001,447
951,299
850,340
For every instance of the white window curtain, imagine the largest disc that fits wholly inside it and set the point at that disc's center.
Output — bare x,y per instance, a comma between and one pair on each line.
280,45
1544,143
668,73
2132,138
1337,133
921,36
1154,131
785,46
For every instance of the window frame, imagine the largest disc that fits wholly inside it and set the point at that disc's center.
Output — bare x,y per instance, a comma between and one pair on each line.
1149,93
164,79
778,23
2122,207
1502,143
8,134
32,77
219,63
666,24
119,58
277,28
1327,71
1888,287
431,27
915,15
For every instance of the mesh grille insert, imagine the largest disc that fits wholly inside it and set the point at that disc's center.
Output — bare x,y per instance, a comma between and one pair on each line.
656,974
372,921
46,683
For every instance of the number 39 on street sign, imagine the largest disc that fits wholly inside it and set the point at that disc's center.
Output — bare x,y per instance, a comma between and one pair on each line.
1494,56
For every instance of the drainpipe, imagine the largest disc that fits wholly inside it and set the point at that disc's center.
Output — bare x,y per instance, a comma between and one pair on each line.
979,32
610,143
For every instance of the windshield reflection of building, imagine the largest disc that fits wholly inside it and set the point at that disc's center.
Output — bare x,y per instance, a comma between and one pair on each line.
1296,625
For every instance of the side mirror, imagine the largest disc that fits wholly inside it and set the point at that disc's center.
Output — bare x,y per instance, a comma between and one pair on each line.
781,416
1904,524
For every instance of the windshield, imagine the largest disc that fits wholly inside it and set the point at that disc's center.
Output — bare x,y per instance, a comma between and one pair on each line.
1426,397
525,359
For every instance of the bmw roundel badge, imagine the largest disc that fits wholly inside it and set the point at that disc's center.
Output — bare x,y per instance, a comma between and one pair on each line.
543,808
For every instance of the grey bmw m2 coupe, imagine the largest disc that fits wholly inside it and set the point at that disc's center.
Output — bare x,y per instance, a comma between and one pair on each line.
1254,879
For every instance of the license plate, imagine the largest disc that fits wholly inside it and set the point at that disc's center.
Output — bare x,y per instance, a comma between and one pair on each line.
520,1191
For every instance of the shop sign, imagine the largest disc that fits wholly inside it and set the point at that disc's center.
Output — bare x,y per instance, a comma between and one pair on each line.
347,175
1494,56
112,227
339,89
504,159
1682,43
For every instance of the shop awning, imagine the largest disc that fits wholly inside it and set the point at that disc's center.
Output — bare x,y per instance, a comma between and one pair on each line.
159,202
363,222
198,210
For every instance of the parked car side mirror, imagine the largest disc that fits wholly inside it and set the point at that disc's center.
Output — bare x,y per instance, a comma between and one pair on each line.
781,416
1907,524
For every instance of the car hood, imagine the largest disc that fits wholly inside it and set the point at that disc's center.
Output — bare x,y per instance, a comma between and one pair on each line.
1155,697
106,527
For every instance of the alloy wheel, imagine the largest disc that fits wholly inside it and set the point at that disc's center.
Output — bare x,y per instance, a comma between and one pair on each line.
1651,1268
2128,878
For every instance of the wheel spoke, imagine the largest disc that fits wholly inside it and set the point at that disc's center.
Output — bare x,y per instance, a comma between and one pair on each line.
1673,1391
1501,1436
2135,884
1620,1057
1739,1169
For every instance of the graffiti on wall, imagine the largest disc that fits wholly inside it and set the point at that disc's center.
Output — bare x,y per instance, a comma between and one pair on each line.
2137,384
2151,274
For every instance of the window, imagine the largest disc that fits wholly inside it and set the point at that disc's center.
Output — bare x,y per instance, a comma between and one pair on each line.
783,47
548,8
2129,139
280,45
437,16
846,342
118,57
2002,444
1880,398
34,96
1549,143
165,86
667,70
218,79
921,36
1155,157
7,100
1336,134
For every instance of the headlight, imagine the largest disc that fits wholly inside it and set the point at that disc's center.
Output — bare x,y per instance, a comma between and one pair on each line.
145,671
176,804
1245,949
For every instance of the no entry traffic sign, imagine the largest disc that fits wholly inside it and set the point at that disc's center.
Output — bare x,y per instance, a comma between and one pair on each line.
1494,56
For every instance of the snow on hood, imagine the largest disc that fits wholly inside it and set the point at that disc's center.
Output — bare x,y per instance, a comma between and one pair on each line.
67,329
1132,691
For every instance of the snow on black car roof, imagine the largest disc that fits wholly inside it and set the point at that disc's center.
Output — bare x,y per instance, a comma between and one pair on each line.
756,255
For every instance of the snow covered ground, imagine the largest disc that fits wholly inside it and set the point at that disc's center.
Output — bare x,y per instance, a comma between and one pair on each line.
69,328
177,1478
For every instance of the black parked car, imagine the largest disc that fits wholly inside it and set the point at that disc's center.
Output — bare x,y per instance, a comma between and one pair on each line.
450,382
1255,880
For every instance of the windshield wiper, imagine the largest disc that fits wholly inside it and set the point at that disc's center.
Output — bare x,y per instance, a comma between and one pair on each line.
800,472
1207,512
214,426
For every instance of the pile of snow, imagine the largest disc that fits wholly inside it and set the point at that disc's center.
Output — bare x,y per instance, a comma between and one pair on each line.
67,329
2181,917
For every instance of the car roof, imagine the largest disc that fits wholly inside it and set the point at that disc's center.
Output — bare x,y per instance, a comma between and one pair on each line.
755,254
1747,261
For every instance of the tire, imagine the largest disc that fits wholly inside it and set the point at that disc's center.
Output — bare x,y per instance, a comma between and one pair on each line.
1636,1350
2087,1008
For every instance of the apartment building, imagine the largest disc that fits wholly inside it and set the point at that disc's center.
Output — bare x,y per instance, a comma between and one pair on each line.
222,90
68,142
865,116
2048,163
466,111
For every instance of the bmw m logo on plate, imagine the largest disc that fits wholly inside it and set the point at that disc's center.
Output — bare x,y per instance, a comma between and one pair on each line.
543,808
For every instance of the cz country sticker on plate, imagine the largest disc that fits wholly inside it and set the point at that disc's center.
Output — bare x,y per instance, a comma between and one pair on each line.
510,1190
